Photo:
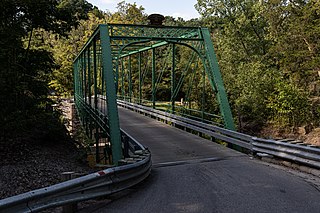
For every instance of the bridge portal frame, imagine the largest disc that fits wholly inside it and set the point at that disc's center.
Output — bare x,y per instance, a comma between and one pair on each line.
96,72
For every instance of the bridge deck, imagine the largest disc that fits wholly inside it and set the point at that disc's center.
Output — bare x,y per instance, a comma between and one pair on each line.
168,144
226,181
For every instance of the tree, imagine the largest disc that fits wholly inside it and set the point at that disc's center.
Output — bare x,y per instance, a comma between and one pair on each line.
24,70
261,45
128,14
295,32
65,48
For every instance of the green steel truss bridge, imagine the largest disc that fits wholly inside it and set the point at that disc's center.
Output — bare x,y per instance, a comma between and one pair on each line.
164,67
131,69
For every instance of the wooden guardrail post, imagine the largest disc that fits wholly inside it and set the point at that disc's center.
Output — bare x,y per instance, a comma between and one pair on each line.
70,208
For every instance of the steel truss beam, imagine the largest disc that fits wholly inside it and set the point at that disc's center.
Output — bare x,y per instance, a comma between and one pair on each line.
97,68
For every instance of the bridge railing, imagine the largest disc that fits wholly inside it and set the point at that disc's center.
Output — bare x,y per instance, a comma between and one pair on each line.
101,183
226,135
302,154
186,112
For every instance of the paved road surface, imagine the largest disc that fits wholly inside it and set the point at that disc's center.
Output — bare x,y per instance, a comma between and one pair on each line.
191,174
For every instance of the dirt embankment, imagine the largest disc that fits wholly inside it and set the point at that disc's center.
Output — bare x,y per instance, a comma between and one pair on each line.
37,159
27,165
313,137
306,134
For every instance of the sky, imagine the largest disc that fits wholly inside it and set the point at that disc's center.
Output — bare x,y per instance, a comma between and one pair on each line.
176,8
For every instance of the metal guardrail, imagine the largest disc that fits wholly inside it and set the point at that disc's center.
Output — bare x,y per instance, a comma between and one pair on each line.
302,154
138,167
101,183
229,136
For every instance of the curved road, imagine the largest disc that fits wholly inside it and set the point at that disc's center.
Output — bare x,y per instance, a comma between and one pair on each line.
191,174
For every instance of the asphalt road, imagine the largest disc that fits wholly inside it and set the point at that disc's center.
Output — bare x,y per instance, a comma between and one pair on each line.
191,174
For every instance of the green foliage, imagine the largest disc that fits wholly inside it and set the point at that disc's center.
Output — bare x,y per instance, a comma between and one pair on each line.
65,48
26,66
250,89
269,55
289,105
128,14
295,39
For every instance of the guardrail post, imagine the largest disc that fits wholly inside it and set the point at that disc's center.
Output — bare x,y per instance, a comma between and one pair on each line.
125,146
70,208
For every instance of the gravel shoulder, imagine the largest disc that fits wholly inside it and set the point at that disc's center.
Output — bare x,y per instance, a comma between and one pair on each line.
27,166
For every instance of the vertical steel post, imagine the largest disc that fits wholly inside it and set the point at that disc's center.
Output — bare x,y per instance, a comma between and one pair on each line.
203,94
97,134
111,97
79,70
140,78
115,64
173,81
89,88
153,78
95,73
75,80
122,79
84,75
89,75
97,138
103,107
130,79
85,70
217,80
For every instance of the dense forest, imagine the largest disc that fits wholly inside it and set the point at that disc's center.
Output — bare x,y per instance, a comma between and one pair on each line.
268,50
269,55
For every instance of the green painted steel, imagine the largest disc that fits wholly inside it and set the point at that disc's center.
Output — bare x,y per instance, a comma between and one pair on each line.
140,77
108,63
214,72
95,74
144,38
203,95
84,70
94,77
112,109
130,78
122,78
173,81
153,88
